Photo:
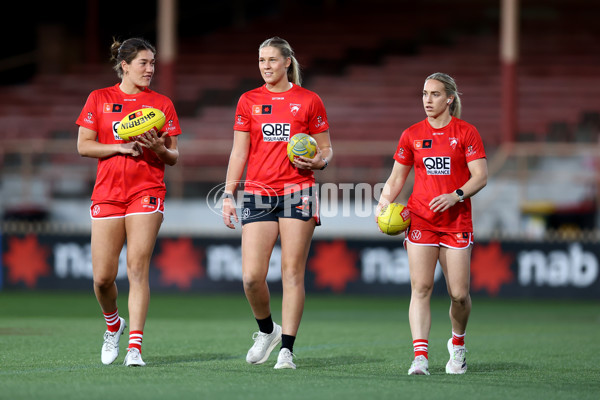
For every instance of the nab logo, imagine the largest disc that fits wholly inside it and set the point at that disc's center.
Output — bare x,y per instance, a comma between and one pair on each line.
437,165
113,108
262,109
276,132
423,144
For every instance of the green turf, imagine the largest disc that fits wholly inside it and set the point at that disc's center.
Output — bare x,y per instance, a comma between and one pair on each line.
348,348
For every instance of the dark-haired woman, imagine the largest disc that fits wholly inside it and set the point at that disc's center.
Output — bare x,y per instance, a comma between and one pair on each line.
128,196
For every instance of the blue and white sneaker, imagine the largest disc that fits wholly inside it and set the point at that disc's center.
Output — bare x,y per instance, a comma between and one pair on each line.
458,360
419,366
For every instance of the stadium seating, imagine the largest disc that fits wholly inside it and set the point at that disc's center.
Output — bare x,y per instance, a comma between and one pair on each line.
369,77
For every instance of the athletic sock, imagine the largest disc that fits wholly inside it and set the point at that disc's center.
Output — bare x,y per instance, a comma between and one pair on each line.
420,347
287,342
135,340
113,322
265,325
458,340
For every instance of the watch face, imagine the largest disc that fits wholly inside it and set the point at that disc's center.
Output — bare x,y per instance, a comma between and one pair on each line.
460,192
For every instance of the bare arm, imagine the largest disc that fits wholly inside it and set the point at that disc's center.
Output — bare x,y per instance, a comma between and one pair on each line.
235,169
87,146
477,181
393,186
323,156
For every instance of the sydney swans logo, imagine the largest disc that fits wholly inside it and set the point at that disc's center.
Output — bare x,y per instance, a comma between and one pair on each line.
263,201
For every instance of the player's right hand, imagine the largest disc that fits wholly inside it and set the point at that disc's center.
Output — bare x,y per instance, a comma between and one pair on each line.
228,212
130,148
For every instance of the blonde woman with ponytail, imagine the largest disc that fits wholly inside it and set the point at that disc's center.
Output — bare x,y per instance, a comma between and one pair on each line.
279,197
450,168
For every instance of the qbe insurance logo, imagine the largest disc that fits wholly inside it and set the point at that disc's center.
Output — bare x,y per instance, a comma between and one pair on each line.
276,132
437,165
261,204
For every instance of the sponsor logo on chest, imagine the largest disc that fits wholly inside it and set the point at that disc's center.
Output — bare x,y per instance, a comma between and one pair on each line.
437,165
276,132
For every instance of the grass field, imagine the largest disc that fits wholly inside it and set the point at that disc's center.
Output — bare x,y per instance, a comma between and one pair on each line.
348,348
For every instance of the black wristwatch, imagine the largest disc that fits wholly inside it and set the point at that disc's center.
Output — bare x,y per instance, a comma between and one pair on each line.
460,194
326,164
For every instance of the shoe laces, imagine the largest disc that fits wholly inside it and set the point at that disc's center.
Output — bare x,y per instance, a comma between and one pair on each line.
110,339
260,339
287,353
133,354
421,361
458,353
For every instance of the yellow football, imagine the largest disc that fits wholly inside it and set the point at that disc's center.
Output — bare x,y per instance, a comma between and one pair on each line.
140,121
303,145
394,219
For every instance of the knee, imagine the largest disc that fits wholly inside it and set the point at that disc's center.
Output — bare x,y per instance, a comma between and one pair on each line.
293,280
252,282
137,272
104,282
292,276
421,291
462,298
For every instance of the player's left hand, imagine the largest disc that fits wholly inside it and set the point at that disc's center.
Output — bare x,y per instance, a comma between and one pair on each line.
152,140
443,202
309,163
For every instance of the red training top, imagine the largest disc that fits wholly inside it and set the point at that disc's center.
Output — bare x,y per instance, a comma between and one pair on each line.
440,158
123,177
272,119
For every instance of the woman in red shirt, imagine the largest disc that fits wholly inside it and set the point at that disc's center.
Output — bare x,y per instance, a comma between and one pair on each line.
279,197
129,193
450,167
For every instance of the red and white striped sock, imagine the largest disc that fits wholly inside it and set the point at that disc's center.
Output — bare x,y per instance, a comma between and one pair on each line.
135,340
458,340
113,322
420,347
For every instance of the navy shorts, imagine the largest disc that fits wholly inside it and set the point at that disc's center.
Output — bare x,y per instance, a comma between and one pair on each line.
302,204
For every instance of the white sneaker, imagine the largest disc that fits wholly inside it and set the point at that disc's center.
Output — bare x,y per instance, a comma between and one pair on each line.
264,343
285,359
419,366
133,358
110,347
458,360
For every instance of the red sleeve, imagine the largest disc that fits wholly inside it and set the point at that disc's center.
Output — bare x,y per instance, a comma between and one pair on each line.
404,154
318,117
88,117
474,148
172,124
242,116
